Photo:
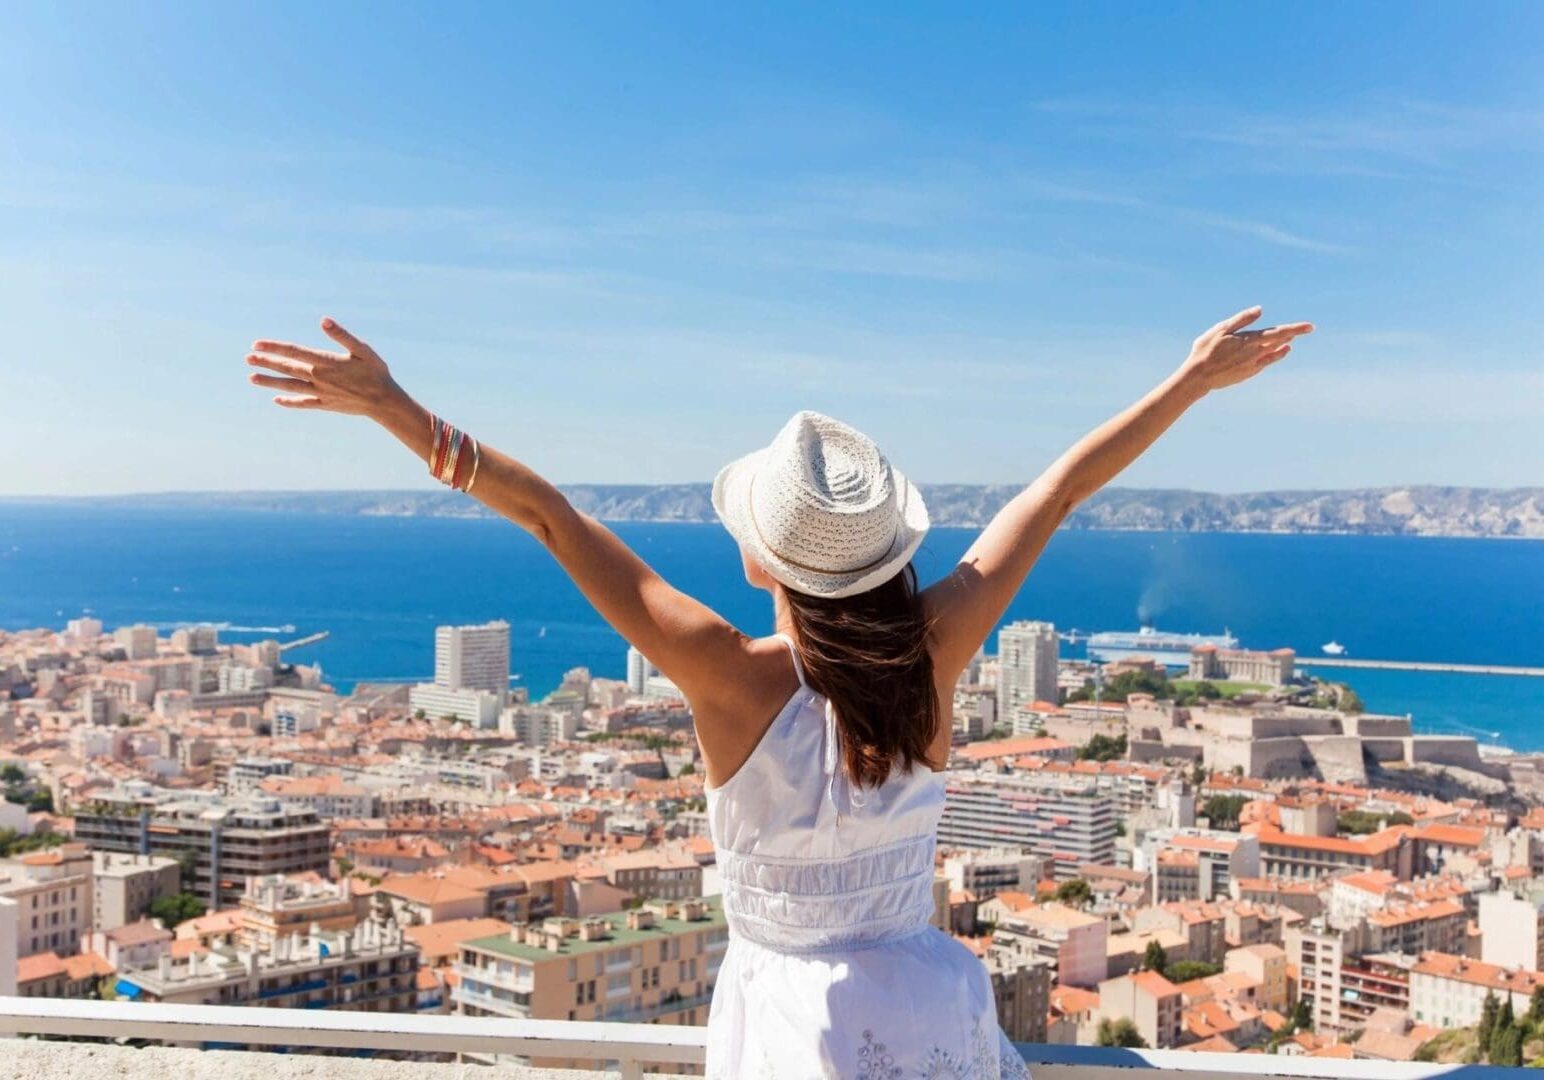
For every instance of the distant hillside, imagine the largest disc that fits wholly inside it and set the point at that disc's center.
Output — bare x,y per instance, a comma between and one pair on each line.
1410,511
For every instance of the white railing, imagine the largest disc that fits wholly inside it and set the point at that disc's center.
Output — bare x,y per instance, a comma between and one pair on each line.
626,1047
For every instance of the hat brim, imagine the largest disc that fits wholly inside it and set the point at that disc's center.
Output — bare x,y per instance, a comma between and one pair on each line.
731,500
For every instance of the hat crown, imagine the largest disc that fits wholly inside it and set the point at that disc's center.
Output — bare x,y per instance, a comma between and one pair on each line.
824,497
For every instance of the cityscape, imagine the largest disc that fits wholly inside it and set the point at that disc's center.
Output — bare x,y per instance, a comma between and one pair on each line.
1200,849
397,581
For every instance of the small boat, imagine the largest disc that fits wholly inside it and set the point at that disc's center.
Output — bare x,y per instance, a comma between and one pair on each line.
542,632
1333,648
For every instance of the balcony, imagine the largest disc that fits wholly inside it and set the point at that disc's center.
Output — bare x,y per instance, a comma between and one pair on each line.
623,1049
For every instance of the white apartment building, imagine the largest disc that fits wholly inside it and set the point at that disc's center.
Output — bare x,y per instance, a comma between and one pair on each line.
139,642
987,872
1026,665
123,886
52,893
1449,991
1196,864
241,679
247,774
537,726
1065,818
638,670
473,658
329,796
975,711
196,639
83,629
1075,944
1149,1001
480,708
1511,930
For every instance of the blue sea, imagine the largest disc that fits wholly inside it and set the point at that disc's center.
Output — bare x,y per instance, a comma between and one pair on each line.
380,585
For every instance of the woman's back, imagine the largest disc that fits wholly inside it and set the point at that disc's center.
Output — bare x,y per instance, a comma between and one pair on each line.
835,969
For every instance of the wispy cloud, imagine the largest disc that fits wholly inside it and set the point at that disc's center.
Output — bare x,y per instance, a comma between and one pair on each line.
1260,230
1400,139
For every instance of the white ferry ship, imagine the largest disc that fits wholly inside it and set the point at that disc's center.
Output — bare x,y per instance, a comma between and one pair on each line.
1169,649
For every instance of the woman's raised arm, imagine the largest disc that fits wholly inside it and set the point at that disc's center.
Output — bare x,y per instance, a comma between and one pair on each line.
968,603
689,643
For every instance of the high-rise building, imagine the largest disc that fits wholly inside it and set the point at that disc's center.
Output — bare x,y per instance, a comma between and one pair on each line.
1067,819
473,657
139,642
225,840
638,670
196,639
1026,666
471,675
83,629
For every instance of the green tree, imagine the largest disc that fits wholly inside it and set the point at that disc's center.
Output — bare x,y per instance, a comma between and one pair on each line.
1349,701
1124,685
1506,1044
1302,1016
1489,1009
1120,1032
1103,748
11,843
12,773
1186,970
1223,810
175,909
42,801
1359,822
1536,1005
1074,893
1155,959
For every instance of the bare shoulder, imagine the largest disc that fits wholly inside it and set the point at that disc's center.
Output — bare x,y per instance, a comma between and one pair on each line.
732,721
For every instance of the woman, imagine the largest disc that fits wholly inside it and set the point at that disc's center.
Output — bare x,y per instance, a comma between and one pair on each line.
824,744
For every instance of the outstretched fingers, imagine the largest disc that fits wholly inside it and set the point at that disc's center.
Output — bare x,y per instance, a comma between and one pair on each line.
1285,332
289,386
309,402
355,347
297,369
295,352
1237,322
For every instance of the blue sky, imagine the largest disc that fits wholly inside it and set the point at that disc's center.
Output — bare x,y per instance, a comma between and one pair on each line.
625,242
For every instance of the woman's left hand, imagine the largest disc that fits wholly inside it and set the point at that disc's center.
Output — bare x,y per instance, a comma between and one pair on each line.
1228,353
355,381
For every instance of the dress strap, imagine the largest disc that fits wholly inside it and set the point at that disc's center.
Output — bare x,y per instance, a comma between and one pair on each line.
793,651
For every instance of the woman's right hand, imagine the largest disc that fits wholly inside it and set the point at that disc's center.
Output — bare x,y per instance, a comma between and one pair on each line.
355,382
1228,353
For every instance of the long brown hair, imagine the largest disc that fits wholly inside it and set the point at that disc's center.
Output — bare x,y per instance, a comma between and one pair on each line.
867,654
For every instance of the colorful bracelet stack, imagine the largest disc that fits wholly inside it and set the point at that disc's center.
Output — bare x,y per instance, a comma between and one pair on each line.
449,453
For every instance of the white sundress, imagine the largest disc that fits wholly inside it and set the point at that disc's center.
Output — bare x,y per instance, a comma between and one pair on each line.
833,969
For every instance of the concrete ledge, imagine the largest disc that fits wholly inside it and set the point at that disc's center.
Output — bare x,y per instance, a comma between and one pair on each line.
32,1059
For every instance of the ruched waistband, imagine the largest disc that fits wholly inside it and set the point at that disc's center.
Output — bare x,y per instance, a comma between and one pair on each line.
811,905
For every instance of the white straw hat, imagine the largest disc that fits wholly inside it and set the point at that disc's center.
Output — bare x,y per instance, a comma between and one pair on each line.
821,508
